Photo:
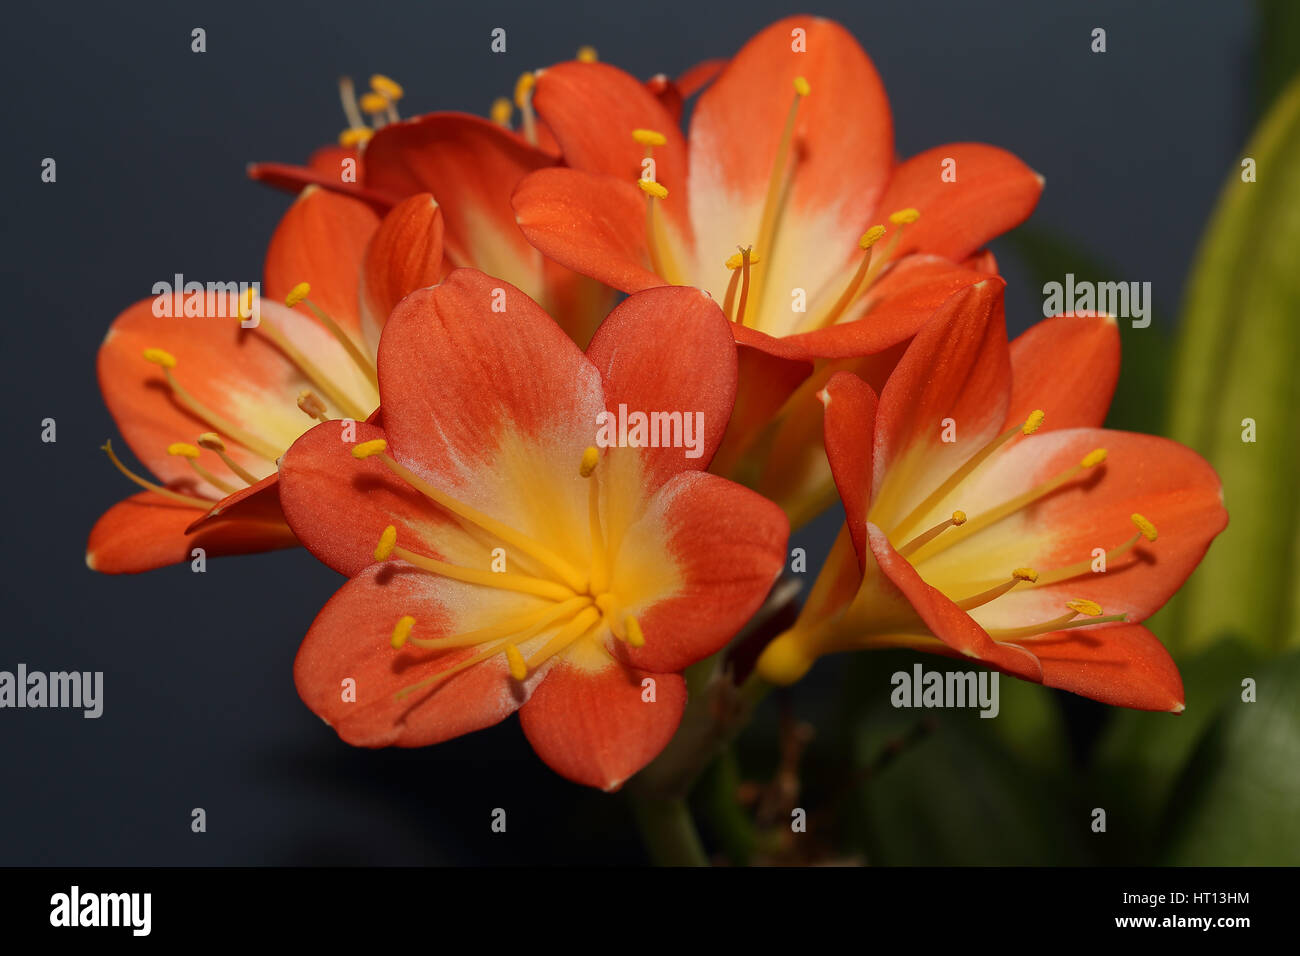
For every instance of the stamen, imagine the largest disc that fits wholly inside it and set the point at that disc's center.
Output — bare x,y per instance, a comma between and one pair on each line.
1065,623
181,450
776,182
322,381
348,97
1085,566
956,521
1084,606
355,136
311,405
167,362
662,261
520,628
212,441
362,361
202,503
566,636
635,636
387,87
372,103
502,110
856,284
649,137
387,541
1031,425
587,54
515,662
994,515
552,561
401,632
739,264
984,597
489,579
524,100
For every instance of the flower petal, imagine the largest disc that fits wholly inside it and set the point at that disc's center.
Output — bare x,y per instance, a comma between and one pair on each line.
502,365
404,254
1164,481
1123,665
955,375
944,619
595,727
321,241
590,223
350,640
471,166
843,144
850,420
147,531
994,192
675,328
728,545
592,108
1067,366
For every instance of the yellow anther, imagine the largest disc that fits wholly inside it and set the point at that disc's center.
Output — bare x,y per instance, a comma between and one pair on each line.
515,661
958,518
590,458
635,636
376,446
1034,421
182,450
587,54
159,357
649,137
402,631
801,86
211,441
871,237
904,216
1093,458
387,541
385,86
1084,606
738,259
524,88
297,294
373,103
502,110
1025,574
355,136
650,187
1146,527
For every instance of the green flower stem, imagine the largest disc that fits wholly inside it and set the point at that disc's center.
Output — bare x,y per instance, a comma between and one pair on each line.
668,831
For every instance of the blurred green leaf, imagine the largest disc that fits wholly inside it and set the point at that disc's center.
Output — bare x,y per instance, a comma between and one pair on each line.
1140,755
1278,61
966,790
1236,804
1237,354
1144,353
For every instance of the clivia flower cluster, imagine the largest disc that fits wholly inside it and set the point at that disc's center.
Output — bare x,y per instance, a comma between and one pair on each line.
422,400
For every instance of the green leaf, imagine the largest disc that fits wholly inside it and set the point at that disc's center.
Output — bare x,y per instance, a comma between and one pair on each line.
967,790
1144,353
1237,356
1140,755
1236,803
1278,61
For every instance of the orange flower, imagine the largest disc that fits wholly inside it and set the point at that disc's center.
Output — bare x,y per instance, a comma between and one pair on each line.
787,204
993,519
500,559
209,405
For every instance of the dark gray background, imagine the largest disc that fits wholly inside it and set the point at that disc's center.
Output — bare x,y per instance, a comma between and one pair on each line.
151,142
